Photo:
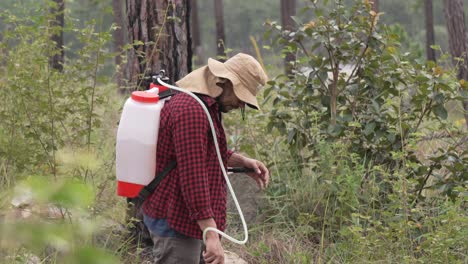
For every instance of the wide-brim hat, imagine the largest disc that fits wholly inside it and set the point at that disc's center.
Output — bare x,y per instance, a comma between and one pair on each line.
245,73
201,81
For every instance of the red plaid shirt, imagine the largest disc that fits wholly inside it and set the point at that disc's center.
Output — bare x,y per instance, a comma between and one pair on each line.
195,189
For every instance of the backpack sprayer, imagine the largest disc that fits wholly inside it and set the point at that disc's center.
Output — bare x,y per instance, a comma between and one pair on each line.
136,146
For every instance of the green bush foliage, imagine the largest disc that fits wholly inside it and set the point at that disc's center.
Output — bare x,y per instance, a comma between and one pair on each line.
353,167
52,135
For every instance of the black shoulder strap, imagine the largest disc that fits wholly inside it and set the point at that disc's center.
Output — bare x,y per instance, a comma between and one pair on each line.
149,189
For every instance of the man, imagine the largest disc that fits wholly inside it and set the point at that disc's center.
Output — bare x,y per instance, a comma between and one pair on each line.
193,195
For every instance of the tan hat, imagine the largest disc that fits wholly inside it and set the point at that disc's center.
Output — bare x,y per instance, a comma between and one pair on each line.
245,73
201,81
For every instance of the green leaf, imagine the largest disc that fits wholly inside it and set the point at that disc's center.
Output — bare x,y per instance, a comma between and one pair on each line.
370,127
440,111
464,94
323,75
435,47
439,98
138,43
291,134
318,12
296,19
376,106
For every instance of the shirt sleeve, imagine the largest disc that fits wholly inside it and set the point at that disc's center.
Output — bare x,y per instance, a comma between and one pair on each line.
229,153
191,139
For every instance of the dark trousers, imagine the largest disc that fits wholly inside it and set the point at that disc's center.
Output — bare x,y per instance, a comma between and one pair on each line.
175,250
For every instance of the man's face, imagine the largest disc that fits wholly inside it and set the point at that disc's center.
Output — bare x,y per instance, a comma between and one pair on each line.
228,100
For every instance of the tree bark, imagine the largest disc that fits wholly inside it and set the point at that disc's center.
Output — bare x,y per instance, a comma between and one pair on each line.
160,33
56,59
1,35
430,39
119,42
220,36
2,55
458,40
375,5
196,36
288,9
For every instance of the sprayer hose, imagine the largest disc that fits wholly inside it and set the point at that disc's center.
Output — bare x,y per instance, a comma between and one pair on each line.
221,164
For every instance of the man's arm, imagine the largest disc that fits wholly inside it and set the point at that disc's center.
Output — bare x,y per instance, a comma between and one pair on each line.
261,174
214,250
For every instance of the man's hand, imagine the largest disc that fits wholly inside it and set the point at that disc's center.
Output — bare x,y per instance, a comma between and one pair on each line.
261,174
214,253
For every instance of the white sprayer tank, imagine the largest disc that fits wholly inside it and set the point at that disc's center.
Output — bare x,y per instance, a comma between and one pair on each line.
136,142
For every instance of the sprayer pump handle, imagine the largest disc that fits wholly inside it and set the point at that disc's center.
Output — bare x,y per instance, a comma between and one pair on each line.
161,75
240,170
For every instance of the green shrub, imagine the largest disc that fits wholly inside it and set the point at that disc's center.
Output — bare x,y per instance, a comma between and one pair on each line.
59,128
350,168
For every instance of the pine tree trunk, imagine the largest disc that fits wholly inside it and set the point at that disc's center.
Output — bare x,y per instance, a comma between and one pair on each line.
1,35
430,39
220,36
160,33
119,42
2,55
458,40
288,9
375,5
196,36
56,59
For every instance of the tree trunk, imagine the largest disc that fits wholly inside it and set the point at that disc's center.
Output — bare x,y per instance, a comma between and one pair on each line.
196,37
2,55
430,39
375,5
220,36
288,9
160,33
458,40
1,33
119,42
56,59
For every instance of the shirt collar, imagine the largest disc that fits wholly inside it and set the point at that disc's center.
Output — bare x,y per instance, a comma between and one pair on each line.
210,101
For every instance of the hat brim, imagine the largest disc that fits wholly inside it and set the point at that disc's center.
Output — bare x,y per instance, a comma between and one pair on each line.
240,90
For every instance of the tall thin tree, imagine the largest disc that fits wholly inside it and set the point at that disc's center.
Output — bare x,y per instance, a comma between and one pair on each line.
458,40
2,60
220,35
119,41
196,35
160,33
430,36
1,35
288,10
57,23
375,5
